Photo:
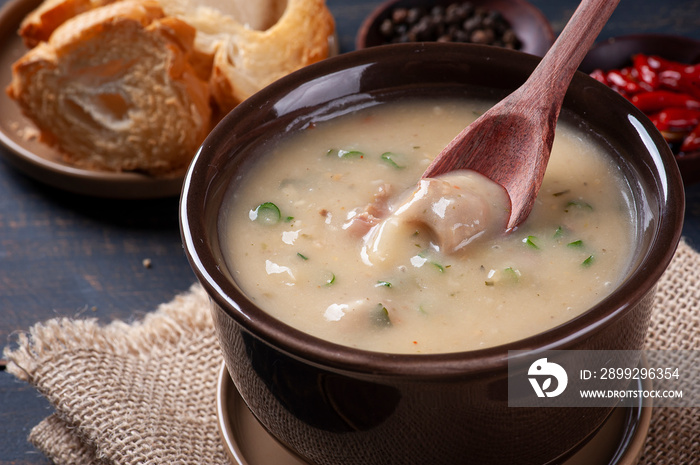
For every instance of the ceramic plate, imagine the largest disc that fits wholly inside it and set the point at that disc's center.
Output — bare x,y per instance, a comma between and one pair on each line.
618,442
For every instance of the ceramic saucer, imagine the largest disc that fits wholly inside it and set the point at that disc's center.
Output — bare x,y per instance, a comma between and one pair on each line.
619,442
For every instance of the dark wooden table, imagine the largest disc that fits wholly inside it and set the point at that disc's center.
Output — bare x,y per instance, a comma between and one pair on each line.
68,255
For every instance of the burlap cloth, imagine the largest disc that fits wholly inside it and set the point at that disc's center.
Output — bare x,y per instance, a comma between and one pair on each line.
144,393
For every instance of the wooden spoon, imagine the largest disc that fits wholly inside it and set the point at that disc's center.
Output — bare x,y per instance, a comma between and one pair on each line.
511,142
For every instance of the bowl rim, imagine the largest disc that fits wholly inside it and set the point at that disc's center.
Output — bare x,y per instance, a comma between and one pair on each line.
330,355
645,37
639,43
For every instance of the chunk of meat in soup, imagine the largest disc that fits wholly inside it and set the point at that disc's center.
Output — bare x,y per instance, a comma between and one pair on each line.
372,214
457,209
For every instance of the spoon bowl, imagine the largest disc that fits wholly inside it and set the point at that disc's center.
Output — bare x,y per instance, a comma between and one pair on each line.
510,143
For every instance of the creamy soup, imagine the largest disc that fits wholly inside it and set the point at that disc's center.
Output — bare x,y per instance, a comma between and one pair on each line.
314,235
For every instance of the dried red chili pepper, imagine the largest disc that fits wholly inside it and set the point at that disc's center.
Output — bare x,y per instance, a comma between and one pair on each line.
677,119
652,102
623,82
632,76
691,143
681,82
662,64
599,75
645,70
667,91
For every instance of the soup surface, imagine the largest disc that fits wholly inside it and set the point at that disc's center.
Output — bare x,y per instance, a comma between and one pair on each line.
300,235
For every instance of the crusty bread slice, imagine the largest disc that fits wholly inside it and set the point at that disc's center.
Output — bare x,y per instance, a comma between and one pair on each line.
131,85
38,25
242,45
246,60
114,90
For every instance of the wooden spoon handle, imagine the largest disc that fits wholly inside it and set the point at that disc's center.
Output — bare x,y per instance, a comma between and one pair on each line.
560,63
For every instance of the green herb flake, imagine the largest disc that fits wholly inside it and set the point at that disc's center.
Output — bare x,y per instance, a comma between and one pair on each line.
530,241
394,159
558,233
383,284
577,204
439,267
575,244
380,316
302,256
345,153
329,279
511,274
265,213
587,262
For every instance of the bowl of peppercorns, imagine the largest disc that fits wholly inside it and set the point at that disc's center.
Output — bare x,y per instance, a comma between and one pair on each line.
660,75
513,24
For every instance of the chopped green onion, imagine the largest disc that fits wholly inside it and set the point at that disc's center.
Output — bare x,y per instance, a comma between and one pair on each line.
302,256
350,154
266,213
578,243
380,316
394,159
579,204
588,261
383,284
506,276
289,219
511,274
345,153
423,258
530,241
330,278
440,268
558,233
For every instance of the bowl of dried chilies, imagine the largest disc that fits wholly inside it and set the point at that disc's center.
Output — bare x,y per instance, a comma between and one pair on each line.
660,75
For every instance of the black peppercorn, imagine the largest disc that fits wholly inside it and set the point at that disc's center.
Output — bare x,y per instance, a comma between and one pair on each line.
459,21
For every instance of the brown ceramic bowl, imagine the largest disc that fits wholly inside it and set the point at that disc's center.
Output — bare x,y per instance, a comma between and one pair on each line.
617,52
528,23
333,404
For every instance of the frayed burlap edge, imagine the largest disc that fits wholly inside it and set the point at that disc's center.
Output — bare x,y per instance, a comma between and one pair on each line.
140,393
162,328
